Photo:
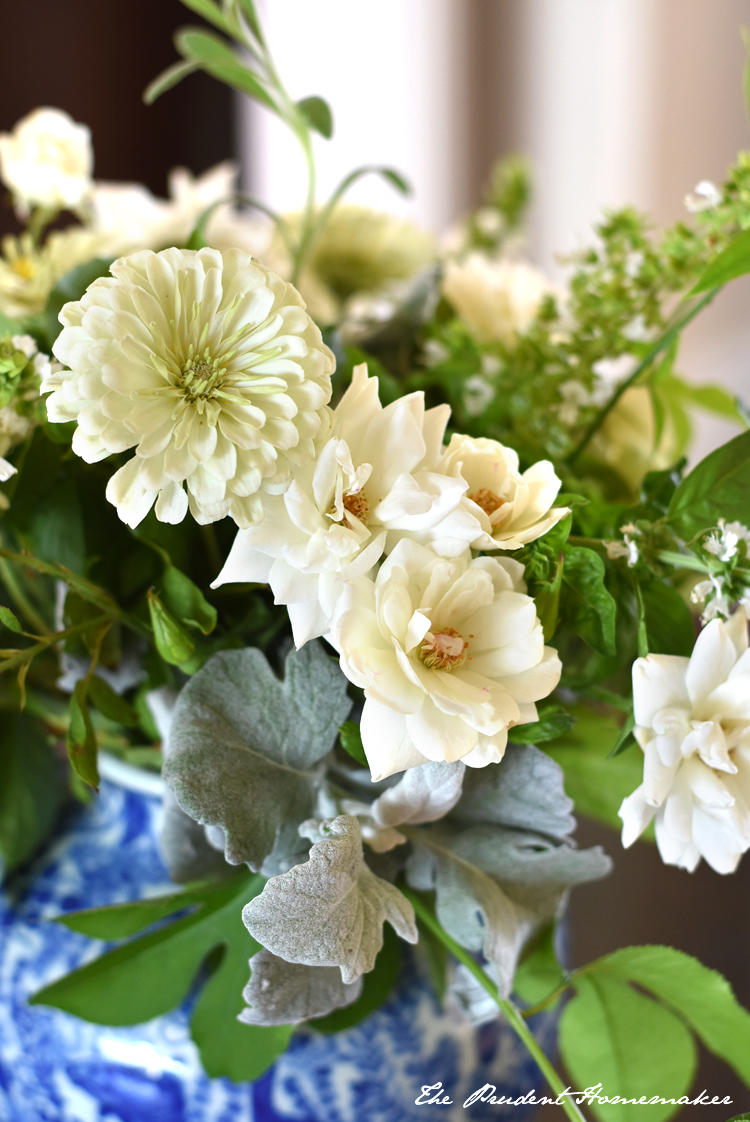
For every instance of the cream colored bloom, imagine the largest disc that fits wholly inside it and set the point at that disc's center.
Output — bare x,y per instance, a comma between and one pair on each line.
450,654
47,161
511,508
373,482
208,365
495,299
693,724
28,273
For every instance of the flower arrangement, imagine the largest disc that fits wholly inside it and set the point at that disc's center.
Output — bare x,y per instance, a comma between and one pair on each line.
383,553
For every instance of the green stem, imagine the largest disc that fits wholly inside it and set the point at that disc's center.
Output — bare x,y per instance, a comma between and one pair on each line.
28,653
660,345
512,1014
20,600
682,561
308,221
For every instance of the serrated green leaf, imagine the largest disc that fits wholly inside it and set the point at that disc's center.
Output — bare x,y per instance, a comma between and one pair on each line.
717,487
733,261
30,788
167,79
635,1047
376,988
81,738
151,974
554,721
110,704
186,602
9,620
318,115
173,644
700,995
586,606
351,742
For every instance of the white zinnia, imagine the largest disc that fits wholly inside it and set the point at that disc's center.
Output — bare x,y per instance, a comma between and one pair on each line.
693,724
450,654
47,161
495,299
511,508
209,366
373,482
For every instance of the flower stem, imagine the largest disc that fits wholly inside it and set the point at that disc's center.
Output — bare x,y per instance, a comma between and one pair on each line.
512,1014
660,345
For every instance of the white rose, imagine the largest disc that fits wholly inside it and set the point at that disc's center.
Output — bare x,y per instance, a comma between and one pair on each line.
495,299
450,654
47,161
372,483
511,508
693,724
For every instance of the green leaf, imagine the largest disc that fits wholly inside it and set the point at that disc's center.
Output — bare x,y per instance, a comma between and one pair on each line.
150,975
10,326
625,737
186,601
717,487
539,973
554,721
81,738
110,704
666,625
30,788
700,995
633,1046
120,921
217,57
209,11
585,603
173,644
167,79
317,113
7,619
376,988
597,785
243,744
71,287
351,742
733,261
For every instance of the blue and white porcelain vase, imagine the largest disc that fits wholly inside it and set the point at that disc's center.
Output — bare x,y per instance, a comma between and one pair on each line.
56,1068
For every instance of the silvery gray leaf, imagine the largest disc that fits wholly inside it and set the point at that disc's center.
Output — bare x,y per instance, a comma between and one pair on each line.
423,794
329,911
533,870
524,790
470,905
243,743
285,993
185,848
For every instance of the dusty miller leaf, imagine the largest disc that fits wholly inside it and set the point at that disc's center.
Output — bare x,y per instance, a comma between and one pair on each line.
424,794
243,743
330,911
285,993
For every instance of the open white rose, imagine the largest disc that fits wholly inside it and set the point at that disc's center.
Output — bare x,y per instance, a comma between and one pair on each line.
693,724
372,483
511,508
450,654
209,366
495,299
47,161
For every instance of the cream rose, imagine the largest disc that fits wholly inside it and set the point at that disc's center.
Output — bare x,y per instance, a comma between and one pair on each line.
47,161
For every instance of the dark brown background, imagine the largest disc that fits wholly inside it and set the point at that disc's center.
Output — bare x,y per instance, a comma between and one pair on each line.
93,58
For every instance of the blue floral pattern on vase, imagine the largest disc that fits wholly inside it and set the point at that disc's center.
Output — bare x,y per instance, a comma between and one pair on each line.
57,1068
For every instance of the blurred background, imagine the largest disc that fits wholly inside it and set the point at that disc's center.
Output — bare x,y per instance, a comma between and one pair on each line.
614,101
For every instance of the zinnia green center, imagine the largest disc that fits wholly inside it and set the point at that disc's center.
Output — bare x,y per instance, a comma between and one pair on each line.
201,377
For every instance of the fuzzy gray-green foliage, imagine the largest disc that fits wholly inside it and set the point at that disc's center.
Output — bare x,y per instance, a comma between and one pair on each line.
424,794
244,745
329,911
285,993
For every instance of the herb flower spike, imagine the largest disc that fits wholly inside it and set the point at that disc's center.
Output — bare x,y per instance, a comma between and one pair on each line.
209,366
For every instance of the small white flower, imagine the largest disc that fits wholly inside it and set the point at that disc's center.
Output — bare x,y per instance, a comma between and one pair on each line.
626,548
373,482
511,508
495,299
724,544
693,724
705,196
478,393
450,654
47,161
209,366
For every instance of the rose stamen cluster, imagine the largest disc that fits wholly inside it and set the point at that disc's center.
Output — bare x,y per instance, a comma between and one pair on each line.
443,651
